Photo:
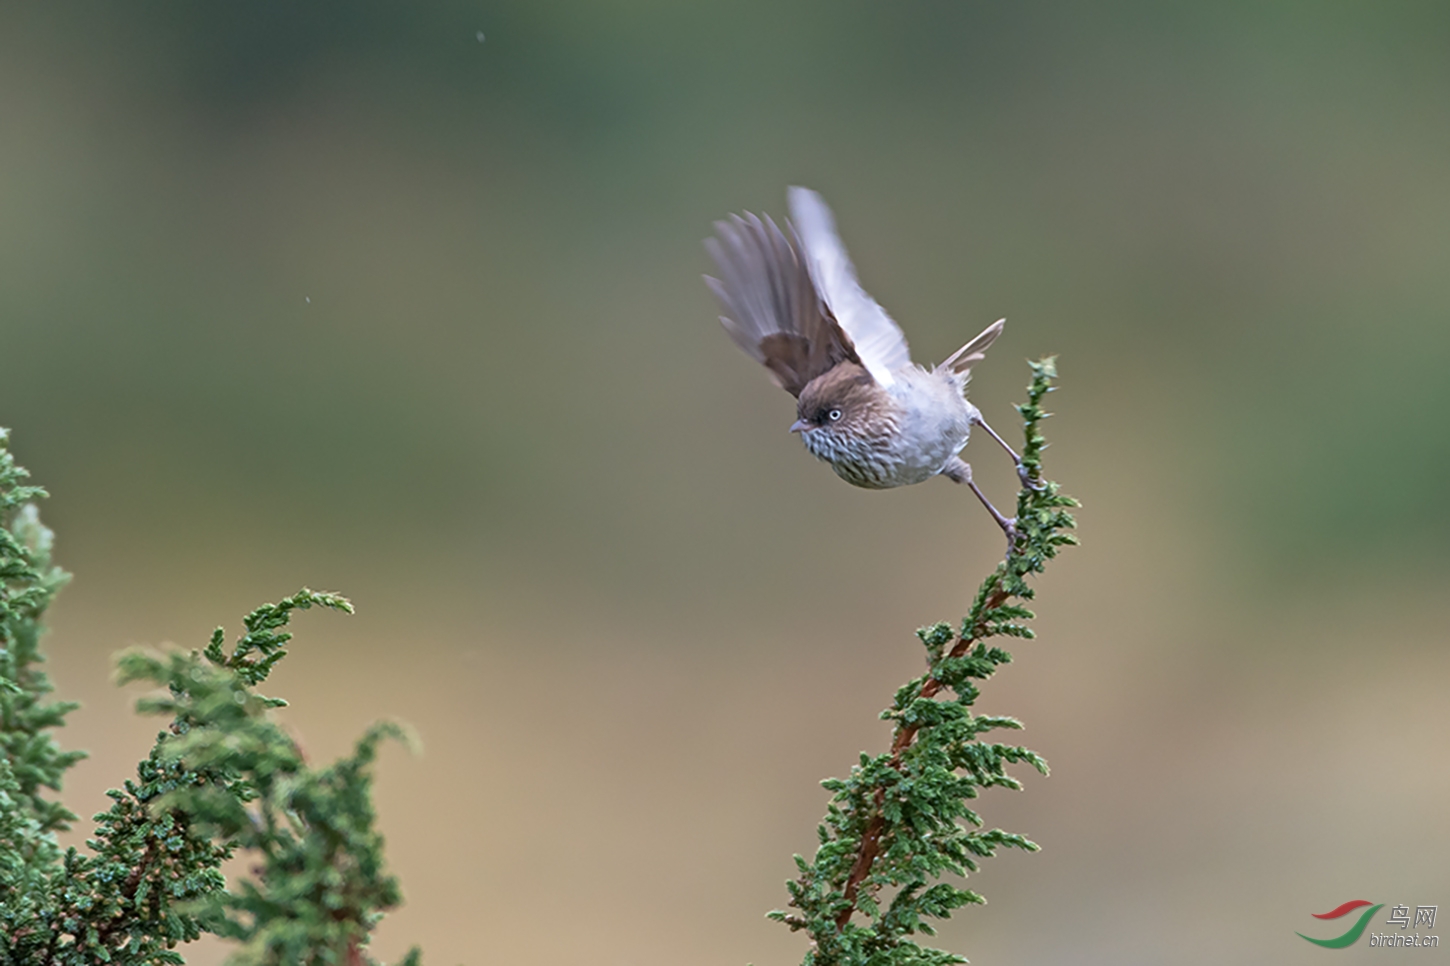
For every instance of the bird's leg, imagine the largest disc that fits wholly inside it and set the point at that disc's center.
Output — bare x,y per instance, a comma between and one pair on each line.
1022,473
959,471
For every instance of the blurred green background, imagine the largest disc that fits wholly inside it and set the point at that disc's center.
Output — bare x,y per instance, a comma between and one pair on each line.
337,294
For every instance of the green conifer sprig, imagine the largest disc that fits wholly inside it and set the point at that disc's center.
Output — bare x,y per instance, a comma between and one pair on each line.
28,583
320,885
222,779
901,820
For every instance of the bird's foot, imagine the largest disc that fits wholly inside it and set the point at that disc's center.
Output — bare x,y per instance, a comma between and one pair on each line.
1010,529
1008,524
960,471
1025,475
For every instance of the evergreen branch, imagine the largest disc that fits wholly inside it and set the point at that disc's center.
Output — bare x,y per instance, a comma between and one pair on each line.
28,584
901,818
222,778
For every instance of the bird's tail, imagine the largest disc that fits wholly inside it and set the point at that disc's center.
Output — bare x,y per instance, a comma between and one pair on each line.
960,362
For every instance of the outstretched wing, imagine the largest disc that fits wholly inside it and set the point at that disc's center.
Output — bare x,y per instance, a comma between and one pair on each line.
775,314
879,341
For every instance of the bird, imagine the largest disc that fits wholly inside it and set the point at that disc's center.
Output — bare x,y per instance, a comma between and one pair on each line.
793,303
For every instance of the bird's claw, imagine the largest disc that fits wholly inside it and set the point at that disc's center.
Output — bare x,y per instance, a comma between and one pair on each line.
1025,475
1012,533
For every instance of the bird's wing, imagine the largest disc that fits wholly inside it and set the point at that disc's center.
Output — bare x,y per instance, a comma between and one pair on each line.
974,351
775,314
879,341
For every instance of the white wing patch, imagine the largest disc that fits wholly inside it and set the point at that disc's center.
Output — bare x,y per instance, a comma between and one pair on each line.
879,341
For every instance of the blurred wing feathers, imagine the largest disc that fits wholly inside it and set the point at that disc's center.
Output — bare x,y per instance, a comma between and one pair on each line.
775,314
878,340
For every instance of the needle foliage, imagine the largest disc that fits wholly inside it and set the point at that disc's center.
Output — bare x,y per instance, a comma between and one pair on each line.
222,781
902,820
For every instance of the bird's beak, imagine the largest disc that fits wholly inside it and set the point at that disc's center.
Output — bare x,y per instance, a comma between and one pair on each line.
799,426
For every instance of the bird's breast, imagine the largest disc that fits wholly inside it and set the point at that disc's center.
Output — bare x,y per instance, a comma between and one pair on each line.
920,422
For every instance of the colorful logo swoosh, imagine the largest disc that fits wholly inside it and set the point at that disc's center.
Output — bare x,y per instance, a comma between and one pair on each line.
1355,931
1338,911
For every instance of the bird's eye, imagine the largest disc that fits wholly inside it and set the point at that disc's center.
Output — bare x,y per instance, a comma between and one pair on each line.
834,415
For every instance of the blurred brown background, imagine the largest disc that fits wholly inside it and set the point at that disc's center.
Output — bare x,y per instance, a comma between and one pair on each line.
337,294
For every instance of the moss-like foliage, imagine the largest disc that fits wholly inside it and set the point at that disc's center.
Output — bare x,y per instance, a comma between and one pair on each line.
222,780
901,820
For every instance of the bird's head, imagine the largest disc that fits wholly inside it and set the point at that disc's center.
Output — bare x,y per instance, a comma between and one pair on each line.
840,403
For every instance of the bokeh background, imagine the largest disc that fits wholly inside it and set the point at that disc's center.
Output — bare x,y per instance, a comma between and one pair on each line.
403,300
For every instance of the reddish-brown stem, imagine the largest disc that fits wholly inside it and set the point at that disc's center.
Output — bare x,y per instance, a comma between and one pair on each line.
905,735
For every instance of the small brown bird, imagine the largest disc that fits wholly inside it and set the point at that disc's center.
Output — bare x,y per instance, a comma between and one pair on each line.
863,406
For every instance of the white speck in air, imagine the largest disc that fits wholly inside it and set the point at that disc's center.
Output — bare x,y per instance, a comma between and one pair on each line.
308,298
480,36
